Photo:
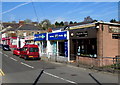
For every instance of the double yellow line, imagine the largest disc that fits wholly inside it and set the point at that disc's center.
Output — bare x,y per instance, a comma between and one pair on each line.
1,73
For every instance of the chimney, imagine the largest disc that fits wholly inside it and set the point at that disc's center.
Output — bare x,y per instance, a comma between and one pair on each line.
35,23
21,23
49,30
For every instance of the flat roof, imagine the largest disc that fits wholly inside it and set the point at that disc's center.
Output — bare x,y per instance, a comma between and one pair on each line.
109,23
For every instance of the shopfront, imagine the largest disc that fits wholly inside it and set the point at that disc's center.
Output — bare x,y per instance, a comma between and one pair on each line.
11,41
4,41
83,43
29,39
58,44
40,40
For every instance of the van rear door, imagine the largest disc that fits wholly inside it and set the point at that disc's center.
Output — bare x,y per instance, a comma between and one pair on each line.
33,51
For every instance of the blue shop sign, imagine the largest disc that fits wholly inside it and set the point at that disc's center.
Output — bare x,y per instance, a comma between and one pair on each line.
38,37
66,48
58,36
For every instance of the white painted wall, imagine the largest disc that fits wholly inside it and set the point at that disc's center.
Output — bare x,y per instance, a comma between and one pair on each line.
49,48
68,38
22,42
17,42
3,35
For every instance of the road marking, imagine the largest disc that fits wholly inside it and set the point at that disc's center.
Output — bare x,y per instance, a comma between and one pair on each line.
1,73
13,59
5,55
1,52
27,65
60,78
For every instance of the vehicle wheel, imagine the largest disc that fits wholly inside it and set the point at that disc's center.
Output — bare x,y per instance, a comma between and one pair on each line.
26,58
39,58
20,56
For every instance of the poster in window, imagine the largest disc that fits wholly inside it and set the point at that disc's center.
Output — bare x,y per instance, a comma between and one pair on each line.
14,42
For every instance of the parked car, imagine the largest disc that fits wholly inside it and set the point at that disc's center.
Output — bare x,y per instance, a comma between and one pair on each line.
30,51
16,51
6,47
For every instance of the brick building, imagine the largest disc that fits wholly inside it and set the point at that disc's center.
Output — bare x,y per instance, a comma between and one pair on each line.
95,44
108,40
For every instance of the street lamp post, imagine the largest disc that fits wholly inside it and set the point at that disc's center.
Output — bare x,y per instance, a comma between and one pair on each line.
19,43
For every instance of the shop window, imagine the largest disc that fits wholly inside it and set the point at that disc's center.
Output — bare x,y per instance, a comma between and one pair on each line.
87,49
24,34
93,47
115,36
32,33
82,47
14,42
44,46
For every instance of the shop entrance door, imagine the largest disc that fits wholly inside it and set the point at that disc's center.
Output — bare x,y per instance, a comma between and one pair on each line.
61,48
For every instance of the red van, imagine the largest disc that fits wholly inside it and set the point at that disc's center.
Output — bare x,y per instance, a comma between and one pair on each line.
30,51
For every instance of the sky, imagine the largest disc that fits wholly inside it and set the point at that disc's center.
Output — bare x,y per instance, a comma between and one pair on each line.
59,11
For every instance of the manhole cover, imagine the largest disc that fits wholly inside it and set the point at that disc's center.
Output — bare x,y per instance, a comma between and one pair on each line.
62,73
73,74
50,68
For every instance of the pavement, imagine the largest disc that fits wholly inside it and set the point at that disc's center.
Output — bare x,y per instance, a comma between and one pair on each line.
19,71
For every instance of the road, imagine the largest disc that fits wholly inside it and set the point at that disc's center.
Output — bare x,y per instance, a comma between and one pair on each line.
17,70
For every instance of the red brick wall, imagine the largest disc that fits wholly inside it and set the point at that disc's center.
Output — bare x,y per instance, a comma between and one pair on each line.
110,46
88,61
106,48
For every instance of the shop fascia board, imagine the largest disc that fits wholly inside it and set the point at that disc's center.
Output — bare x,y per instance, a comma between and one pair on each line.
85,26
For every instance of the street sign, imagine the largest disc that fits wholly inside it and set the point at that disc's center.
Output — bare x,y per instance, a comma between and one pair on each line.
58,36
39,37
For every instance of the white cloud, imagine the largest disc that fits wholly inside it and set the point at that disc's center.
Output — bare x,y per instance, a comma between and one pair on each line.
15,7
